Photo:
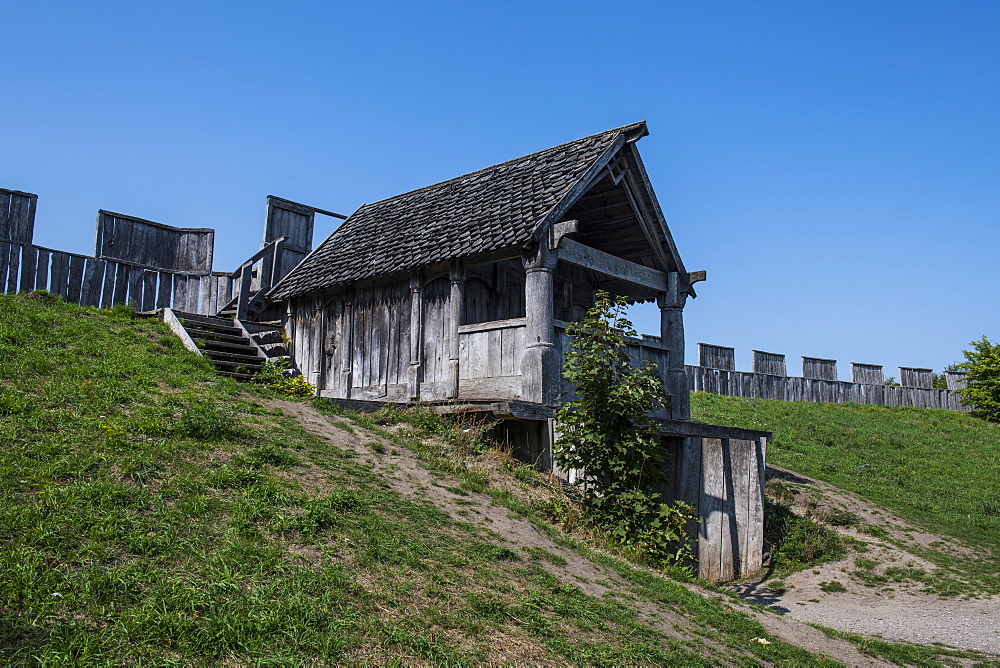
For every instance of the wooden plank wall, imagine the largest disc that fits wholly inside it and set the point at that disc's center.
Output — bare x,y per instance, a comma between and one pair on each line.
294,221
89,281
731,508
136,241
716,357
772,364
17,216
818,368
867,374
764,386
913,377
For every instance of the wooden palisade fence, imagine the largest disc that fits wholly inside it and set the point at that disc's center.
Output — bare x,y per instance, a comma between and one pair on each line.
148,265
716,374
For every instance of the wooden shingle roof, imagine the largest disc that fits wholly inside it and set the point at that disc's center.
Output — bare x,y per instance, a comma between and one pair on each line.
490,210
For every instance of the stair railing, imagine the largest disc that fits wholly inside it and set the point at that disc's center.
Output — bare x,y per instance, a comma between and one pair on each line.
257,275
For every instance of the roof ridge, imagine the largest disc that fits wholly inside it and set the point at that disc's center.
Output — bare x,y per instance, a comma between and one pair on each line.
622,129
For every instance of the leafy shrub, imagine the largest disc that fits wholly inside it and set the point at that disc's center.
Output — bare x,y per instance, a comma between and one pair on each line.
277,375
798,542
608,433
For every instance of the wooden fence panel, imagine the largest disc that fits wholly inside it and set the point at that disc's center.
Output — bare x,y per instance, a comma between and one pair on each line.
12,266
163,292
716,357
770,363
93,279
869,374
17,216
153,245
819,368
915,377
75,288
59,274
29,265
42,270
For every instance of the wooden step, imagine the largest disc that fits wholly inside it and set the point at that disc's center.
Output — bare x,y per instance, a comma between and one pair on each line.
206,345
209,335
247,356
226,365
233,374
228,330
206,319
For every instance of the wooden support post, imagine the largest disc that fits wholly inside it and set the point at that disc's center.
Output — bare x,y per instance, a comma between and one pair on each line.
671,305
540,363
455,302
347,345
246,278
413,373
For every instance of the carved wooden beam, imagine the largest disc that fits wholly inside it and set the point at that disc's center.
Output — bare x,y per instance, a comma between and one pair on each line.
573,252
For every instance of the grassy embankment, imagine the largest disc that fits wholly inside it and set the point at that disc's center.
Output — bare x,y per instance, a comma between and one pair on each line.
152,512
937,469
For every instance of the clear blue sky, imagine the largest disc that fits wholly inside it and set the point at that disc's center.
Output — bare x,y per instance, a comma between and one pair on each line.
834,166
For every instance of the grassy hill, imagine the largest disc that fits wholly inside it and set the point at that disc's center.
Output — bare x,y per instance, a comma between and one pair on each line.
935,468
152,512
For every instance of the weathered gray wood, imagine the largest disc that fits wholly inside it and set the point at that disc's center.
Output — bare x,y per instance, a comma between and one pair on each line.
869,374
17,216
29,266
135,288
150,245
164,290
74,290
149,290
4,262
716,357
42,270
59,274
108,290
122,272
818,368
772,364
93,279
12,268
916,377
956,379
575,253
712,511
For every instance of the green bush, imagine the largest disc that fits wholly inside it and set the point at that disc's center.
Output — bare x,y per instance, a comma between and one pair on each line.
608,433
274,374
982,368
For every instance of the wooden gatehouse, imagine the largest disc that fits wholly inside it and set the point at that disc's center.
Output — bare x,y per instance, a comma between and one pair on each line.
457,295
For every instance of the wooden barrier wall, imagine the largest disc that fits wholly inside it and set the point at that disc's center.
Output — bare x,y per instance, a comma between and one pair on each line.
790,388
91,281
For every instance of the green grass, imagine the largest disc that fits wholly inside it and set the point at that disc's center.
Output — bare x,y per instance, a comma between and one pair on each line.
935,468
152,512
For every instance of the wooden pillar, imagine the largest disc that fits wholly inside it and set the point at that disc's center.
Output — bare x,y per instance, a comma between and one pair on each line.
348,345
416,327
455,302
540,363
671,305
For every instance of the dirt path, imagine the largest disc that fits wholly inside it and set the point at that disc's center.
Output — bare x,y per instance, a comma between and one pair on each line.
893,610
404,472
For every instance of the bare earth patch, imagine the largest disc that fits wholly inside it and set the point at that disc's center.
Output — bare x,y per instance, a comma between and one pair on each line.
405,474
895,610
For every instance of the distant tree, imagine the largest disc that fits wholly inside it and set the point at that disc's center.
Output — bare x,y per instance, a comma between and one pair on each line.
982,369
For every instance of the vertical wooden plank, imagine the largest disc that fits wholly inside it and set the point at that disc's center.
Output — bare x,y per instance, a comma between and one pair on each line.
121,284
108,290
711,510
742,453
5,232
149,290
135,288
93,277
494,351
163,292
75,287
4,259
204,294
12,266
42,270
59,275
29,265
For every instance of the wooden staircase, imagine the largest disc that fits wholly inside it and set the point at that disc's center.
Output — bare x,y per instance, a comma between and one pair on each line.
224,344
